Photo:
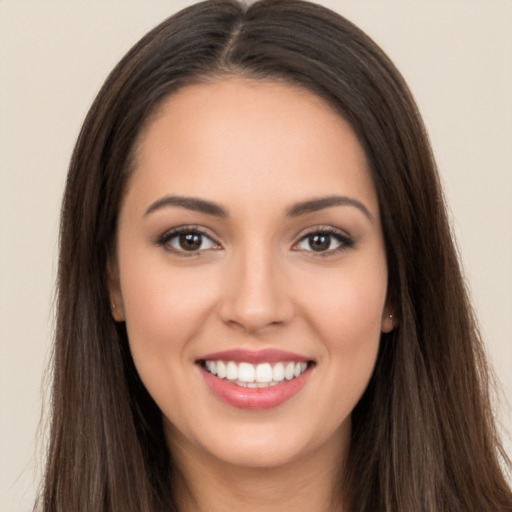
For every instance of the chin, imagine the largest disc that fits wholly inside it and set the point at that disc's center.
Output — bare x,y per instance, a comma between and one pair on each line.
265,445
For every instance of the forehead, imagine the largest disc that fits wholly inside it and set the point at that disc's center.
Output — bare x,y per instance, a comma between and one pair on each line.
234,137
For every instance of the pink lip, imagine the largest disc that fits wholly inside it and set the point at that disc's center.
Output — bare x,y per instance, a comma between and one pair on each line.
254,357
254,398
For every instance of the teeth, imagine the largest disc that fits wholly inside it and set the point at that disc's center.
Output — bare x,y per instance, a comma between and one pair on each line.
221,369
255,376
232,371
263,373
212,367
288,371
278,372
246,372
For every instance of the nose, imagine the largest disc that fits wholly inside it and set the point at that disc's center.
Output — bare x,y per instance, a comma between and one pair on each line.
257,295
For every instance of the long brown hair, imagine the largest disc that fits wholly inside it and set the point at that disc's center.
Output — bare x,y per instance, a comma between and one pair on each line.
424,437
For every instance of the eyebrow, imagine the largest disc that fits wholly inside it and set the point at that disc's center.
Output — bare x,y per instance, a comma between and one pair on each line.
211,208
189,203
321,203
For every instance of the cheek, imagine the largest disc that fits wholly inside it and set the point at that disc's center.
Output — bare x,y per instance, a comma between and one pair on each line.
163,306
348,320
164,310
354,318
349,306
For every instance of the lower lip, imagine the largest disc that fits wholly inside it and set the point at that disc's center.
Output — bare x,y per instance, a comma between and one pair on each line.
255,398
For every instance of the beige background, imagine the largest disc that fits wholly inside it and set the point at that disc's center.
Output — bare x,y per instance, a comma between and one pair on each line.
54,55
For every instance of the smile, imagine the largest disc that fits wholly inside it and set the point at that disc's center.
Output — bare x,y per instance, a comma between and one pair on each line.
255,380
250,375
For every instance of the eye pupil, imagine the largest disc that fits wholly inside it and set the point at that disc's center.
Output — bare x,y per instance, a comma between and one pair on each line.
319,242
190,241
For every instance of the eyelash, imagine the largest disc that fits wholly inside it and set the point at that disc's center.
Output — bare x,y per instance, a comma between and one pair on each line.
345,241
165,239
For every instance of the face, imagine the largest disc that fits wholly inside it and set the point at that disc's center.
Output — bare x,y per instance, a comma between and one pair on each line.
251,272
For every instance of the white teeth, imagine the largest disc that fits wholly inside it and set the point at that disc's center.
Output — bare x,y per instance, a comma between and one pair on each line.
221,369
263,373
231,371
278,372
289,371
246,372
255,376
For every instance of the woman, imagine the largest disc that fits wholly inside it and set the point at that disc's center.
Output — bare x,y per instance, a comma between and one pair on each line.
260,304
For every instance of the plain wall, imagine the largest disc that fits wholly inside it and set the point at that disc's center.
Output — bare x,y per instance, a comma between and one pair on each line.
54,56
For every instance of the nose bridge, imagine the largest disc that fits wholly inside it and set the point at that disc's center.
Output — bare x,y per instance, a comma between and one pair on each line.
255,294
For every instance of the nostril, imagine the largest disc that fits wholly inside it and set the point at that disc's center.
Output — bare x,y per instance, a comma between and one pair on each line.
254,320
255,298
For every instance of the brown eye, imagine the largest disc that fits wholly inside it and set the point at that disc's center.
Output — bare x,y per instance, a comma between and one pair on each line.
186,241
190,241
328,242
319,242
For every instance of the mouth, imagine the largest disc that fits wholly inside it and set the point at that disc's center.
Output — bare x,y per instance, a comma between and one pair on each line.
248,375
255,380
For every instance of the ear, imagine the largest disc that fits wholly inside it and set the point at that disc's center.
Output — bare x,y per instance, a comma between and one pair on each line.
114,290
389,322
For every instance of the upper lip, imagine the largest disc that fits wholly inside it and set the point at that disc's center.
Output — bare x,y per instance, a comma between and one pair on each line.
268,355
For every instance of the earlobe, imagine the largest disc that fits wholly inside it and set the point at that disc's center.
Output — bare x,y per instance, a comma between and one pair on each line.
114,289
117,313
388,322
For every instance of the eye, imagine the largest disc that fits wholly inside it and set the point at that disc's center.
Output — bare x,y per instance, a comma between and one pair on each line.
324,241
187,240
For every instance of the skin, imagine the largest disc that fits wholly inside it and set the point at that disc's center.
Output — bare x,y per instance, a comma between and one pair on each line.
256,149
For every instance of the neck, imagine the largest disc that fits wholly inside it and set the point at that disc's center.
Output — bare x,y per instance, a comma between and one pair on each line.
206,484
